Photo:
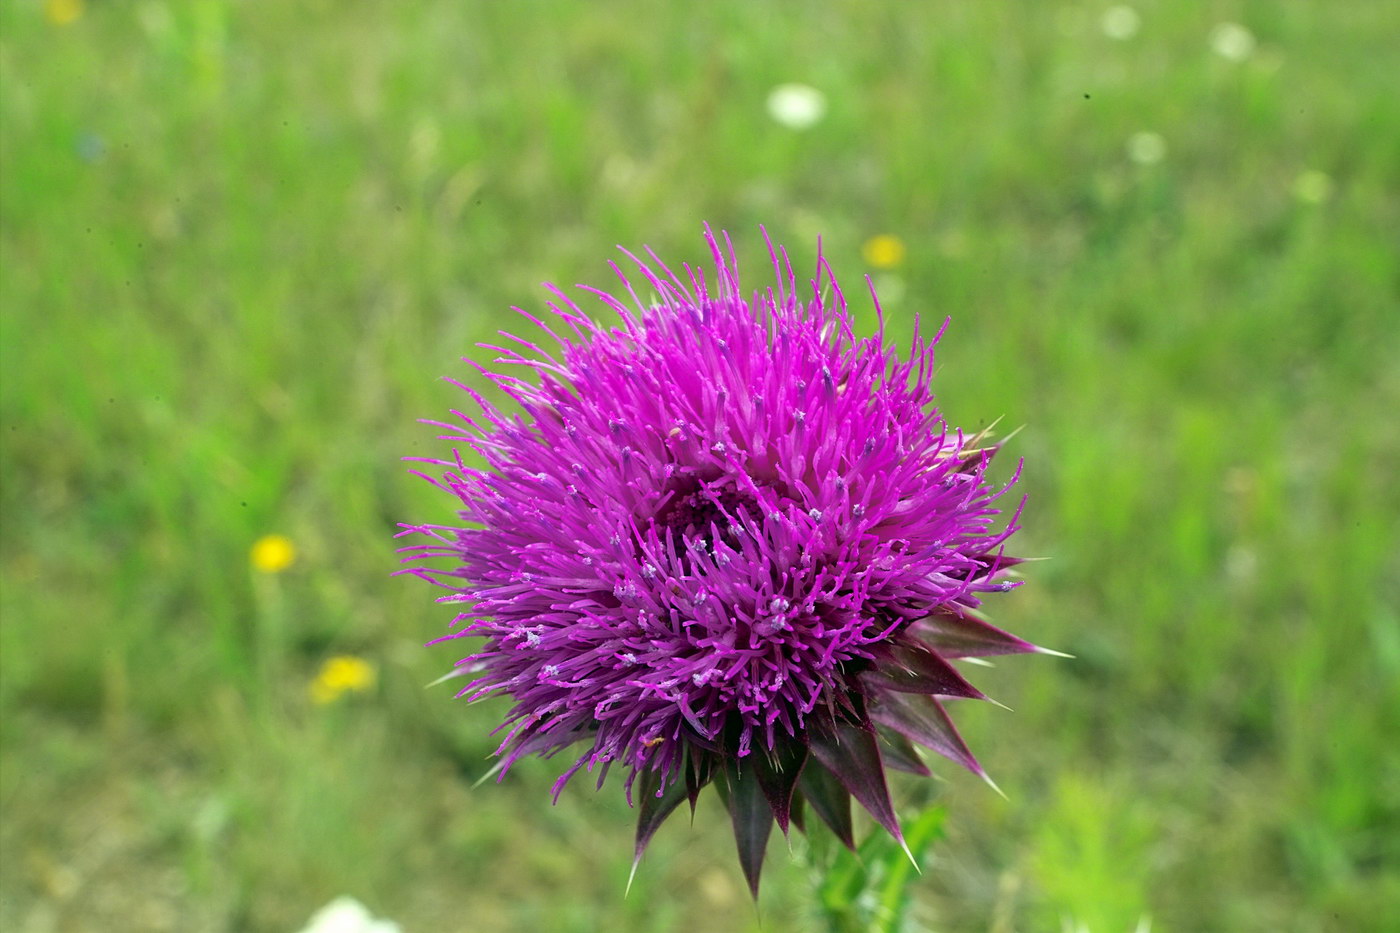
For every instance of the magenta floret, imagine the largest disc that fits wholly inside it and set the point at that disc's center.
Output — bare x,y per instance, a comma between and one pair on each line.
721,540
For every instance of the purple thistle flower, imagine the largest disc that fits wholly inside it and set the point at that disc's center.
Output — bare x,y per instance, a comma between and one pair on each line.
724,542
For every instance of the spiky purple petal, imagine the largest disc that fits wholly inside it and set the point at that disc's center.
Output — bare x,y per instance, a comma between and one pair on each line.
960,634
924,720
751,815
851,753
719,541
777,770
831,800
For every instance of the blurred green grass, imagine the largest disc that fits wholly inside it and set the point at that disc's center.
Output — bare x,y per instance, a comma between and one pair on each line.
241,241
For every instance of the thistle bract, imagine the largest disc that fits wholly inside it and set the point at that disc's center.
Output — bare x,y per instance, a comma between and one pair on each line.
720,540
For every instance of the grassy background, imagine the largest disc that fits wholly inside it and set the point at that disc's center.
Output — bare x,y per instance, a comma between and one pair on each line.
241,241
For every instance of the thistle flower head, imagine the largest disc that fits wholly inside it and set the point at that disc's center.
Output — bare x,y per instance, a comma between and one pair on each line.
720,541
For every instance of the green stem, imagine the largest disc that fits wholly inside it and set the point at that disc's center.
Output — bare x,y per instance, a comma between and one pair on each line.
870,889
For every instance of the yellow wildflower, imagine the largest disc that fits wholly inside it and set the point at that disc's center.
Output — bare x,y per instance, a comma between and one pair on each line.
884,251
343,673
63,12
273,553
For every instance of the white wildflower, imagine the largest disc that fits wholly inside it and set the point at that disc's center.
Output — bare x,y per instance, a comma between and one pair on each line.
796,106
1313,187
1232,42
1120,22
1147,148
347,915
